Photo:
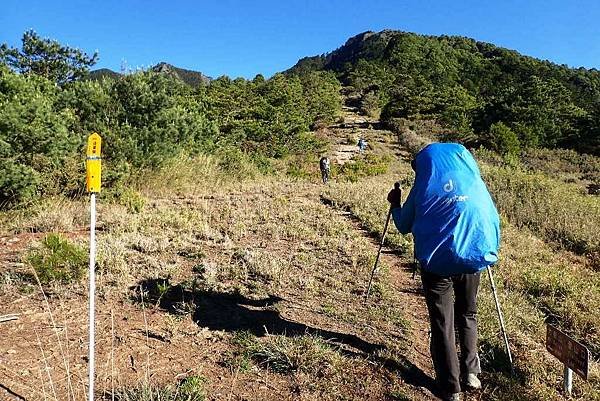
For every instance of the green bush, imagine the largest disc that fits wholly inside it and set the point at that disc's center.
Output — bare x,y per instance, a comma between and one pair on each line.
34,135
322,94
301,167
192,389
370,105
148,118
235,163
366,166
504,140
58,260
17,182
262,163
298,171
132,200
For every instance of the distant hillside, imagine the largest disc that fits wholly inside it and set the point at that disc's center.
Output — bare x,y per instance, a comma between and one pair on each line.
103,73
192,78
482,93
366,45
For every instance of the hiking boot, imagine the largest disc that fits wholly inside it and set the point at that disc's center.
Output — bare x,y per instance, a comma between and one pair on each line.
452,397
472,381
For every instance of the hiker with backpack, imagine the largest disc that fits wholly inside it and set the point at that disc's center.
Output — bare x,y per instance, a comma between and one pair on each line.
456,232
362,145
324,166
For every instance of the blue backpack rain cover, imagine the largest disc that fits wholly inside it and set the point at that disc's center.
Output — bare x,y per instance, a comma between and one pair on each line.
450,212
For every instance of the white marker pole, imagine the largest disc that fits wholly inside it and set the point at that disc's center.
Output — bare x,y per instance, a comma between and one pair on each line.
92,296
568,380
93,184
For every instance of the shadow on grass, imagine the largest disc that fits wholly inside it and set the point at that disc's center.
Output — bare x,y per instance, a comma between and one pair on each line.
14,395
232,312
498,376
494,359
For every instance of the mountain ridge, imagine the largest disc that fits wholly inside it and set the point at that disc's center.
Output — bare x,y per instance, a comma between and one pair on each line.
355,44
190,77
482,93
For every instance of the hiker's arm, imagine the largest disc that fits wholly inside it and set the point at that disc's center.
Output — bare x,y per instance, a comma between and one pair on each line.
497,222
404,216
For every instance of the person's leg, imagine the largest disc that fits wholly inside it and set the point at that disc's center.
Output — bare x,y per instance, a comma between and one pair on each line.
438,295
465,289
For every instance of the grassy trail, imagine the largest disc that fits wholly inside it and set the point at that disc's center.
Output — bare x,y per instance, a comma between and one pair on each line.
395,279
537,283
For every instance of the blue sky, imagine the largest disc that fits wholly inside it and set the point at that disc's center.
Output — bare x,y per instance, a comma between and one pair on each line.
246,37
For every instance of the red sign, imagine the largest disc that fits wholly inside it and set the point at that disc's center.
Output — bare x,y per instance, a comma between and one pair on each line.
570,352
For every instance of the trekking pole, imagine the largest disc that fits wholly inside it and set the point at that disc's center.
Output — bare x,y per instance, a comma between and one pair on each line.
414,276
415,263
385,227
501,319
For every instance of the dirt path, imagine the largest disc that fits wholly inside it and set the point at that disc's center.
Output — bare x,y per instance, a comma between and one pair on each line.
344,137
407,289
410,295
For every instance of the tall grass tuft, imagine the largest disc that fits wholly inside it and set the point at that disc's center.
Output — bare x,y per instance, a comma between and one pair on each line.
282,354
189,389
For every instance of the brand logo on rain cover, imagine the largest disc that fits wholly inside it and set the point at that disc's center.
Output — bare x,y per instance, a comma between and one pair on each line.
449,186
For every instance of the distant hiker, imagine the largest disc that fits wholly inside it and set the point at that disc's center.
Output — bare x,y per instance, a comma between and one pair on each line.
362,144
456,231
324,165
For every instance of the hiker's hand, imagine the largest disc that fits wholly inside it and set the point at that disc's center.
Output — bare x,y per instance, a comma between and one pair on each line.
395,197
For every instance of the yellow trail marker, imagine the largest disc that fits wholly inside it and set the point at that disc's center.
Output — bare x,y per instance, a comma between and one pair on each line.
93,163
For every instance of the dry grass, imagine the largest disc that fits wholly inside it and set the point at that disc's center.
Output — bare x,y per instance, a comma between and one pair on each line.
281,354
567,165
267,236
50,215
189,389
553,210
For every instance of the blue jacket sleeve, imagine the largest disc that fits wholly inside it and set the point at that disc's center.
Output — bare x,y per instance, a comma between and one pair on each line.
404,216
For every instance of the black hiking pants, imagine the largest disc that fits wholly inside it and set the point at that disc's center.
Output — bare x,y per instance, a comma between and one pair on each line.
325,176
446,313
